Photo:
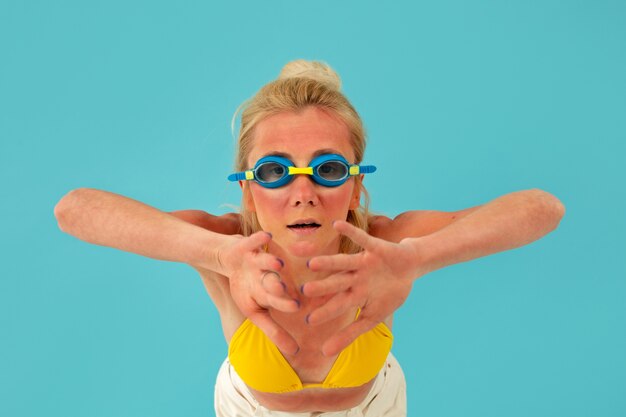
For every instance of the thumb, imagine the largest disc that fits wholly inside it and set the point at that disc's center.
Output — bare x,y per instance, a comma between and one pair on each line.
256,241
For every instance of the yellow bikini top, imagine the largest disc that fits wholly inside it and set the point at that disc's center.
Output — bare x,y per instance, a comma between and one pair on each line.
262,366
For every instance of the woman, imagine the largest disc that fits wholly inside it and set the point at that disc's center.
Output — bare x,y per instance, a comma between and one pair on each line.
305,280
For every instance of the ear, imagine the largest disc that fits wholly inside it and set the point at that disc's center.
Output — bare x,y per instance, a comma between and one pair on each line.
248,200
355,200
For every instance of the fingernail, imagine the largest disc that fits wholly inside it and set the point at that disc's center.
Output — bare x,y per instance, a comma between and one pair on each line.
302,289
284,286
307,263
297,350
269,234
307,318
297,302
282,263
333,223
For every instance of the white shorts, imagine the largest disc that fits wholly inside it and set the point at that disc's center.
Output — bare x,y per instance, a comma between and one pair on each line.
387,397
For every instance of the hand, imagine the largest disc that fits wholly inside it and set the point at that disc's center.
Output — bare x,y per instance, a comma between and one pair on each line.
378,279
255,285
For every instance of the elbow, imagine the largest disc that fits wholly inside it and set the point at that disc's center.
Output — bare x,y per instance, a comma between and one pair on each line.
65,207
62,209
560,208
550,206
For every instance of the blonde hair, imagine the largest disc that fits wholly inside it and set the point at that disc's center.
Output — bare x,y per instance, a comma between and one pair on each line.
301,84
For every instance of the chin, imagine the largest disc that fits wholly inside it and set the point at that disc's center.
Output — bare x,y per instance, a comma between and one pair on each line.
308,249
303,249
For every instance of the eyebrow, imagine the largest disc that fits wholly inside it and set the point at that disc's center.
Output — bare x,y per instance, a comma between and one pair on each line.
315,154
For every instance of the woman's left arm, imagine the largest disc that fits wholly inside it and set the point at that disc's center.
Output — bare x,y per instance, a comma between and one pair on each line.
380,278
508,222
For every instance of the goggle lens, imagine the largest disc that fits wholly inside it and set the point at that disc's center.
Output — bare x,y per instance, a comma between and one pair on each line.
270,172
332,170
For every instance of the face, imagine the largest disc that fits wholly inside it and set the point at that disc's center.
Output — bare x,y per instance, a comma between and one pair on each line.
283,211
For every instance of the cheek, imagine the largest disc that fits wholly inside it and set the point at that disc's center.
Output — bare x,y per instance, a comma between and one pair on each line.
339,198
266,201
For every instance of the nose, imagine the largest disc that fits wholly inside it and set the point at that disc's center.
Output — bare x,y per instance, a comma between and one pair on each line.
303,192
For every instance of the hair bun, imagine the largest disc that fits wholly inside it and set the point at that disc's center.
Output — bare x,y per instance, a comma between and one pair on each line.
317,70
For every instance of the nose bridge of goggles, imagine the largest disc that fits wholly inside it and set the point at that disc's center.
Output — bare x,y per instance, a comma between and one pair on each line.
295,171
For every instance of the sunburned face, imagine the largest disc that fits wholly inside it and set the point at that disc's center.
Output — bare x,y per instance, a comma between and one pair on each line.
285,211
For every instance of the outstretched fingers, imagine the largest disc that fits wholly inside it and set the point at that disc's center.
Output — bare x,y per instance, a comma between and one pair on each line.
333,284
284,304
340,262
345,336
273,293
333,308
278,335
267,262
358,236
271,282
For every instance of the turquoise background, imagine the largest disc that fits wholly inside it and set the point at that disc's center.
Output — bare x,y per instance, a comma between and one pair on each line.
463,102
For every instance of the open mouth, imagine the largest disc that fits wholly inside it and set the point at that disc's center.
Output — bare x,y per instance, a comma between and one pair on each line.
304,225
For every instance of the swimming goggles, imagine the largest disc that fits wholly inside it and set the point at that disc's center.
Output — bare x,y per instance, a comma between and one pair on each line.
329,170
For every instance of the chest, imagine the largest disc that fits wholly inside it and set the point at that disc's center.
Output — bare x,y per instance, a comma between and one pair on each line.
310,364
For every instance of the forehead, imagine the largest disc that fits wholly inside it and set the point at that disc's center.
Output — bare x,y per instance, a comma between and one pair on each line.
300,135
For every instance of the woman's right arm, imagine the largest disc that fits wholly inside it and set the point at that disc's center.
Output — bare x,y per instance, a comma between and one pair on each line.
109,219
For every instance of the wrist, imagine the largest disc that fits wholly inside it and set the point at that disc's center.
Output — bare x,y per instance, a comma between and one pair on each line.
423,256
205,253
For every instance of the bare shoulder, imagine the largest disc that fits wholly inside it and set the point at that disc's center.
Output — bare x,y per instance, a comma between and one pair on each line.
414,223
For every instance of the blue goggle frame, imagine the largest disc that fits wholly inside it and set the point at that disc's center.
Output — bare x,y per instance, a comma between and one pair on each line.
289,170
